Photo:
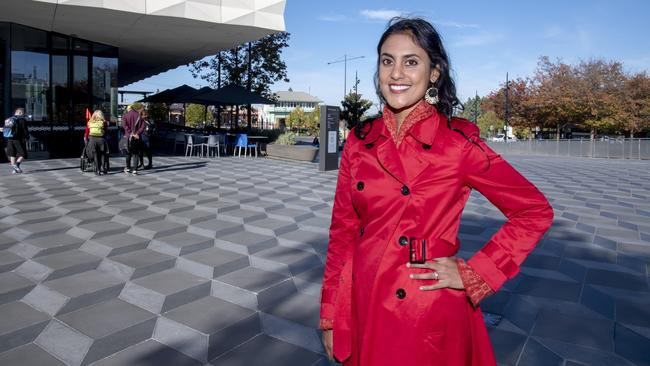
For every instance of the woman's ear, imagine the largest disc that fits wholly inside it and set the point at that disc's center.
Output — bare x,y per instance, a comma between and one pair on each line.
435,74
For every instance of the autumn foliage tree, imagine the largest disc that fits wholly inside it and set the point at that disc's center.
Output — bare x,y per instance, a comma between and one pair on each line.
595,95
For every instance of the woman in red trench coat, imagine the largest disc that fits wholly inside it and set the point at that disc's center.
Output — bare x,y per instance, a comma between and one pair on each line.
393,291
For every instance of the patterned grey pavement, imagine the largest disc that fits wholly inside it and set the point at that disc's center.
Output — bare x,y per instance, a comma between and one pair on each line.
219,262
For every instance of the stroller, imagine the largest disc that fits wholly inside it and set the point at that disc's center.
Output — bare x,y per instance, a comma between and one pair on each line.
87,161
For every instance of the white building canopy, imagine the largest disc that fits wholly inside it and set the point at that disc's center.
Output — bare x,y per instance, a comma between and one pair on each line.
153,36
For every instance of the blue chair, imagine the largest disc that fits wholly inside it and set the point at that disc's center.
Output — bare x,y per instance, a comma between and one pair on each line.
241,141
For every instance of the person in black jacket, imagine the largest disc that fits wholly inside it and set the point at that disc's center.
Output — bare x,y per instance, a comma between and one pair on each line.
16,140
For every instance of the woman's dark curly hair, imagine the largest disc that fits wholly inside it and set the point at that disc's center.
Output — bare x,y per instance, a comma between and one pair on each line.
425,36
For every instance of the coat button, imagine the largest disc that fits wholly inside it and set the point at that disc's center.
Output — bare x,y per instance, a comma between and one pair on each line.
400,293
369,145
403,240
361,231
405,190
360,186
426,146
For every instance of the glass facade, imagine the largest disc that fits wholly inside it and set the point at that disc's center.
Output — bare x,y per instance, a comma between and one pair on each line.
4,70
30,72
56,78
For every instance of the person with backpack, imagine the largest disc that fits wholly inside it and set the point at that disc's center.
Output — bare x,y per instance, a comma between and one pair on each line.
16,132
96,129
133,129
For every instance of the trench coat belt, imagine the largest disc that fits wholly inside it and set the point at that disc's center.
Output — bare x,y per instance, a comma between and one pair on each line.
436,248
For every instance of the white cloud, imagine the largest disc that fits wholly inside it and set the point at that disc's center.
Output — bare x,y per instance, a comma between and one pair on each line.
333,18
381,14
454,24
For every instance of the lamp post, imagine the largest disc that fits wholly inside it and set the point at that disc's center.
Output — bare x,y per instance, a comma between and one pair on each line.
506,109
476,101
345,69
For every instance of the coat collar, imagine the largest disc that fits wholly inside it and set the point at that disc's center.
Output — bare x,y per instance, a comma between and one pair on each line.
375,129
424,131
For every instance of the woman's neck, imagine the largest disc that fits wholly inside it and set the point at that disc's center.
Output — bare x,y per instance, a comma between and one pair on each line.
401,114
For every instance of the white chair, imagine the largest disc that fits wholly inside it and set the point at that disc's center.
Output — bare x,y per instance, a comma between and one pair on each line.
191,146
215,144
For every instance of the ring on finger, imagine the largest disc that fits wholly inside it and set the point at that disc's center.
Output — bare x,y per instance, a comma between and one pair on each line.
435,276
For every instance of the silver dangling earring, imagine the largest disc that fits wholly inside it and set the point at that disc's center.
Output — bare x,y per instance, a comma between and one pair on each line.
431,96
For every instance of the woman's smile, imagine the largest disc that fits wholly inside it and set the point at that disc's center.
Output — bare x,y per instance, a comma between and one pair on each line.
398,88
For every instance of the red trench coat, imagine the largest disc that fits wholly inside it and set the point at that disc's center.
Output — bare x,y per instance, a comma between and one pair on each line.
387,194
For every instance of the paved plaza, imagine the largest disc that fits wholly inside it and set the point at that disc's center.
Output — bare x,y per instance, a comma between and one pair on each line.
219,262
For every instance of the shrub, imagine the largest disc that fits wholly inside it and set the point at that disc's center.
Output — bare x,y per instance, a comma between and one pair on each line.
288,138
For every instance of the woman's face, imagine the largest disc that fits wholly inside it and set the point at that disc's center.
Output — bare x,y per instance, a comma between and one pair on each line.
404,72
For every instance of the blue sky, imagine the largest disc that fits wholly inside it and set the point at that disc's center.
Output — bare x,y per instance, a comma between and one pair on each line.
484,39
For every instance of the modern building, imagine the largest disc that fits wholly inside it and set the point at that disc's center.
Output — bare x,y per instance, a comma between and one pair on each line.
275,116
61,57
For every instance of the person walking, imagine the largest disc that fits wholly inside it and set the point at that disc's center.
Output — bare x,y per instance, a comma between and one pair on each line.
394,292
133,129
16,132
146,136
94,136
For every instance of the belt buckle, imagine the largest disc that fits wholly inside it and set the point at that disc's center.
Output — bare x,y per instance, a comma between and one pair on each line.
417,251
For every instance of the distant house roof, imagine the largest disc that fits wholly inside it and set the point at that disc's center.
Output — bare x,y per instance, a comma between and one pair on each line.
292,96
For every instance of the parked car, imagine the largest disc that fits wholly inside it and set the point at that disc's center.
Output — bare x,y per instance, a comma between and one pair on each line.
502,138
498,138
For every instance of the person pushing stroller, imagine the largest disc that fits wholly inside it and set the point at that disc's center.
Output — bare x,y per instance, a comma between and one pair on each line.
96,146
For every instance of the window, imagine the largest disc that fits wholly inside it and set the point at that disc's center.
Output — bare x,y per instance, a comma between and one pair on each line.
80,92
4,43
105,86
60,91
30,71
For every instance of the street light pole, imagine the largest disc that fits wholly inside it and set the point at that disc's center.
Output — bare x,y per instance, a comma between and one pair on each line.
249,84
345,69
476,108
506,111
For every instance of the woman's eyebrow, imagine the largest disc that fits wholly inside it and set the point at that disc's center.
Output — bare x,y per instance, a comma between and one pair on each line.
403,56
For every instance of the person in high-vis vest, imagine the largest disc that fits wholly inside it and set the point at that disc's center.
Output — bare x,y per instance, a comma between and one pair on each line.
96,128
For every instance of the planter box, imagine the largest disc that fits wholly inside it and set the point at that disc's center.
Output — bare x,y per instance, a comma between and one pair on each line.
292,152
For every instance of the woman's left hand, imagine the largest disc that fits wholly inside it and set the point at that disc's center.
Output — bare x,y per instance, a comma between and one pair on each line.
444,270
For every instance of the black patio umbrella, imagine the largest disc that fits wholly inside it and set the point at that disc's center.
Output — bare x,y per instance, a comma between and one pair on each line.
230,95
176,95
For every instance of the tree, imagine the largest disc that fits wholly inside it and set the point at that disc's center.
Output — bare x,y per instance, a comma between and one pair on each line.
591,95
313,120
195,115
637,107
600,95
158,112
296,118
490,124
231,66
472,109
353,108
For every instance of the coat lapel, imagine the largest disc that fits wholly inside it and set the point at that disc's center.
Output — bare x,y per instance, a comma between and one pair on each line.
388,156
413,161
418,144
